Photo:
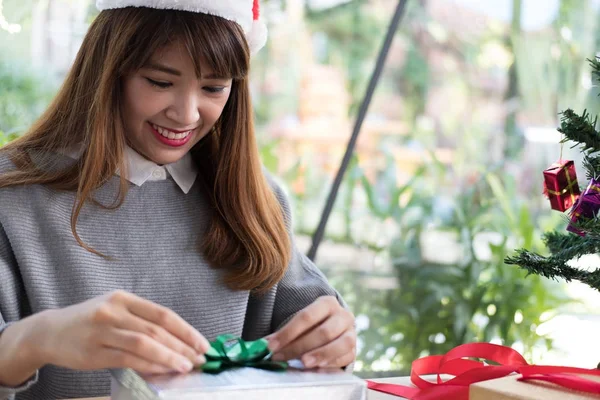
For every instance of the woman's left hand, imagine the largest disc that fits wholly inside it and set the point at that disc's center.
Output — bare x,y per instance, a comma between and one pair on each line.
321,335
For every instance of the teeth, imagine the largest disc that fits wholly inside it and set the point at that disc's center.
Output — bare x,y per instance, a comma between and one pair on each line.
171,135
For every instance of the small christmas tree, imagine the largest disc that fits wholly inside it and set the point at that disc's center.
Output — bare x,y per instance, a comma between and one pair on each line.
584,227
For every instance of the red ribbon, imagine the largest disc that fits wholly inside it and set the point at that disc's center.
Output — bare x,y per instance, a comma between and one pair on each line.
467,372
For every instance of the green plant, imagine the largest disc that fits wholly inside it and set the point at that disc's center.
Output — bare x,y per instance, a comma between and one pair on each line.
5,138
23,96
551,67
439,304
353,33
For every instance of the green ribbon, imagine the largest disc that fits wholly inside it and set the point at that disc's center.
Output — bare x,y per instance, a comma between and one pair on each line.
228,351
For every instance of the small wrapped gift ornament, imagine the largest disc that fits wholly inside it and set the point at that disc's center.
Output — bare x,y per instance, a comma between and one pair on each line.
560,185
586,206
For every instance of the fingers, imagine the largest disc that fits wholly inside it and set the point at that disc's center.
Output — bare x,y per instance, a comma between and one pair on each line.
321,335
115,358
164,318
137,346
161,335
302,322
337,353
328,331
151,332
345,360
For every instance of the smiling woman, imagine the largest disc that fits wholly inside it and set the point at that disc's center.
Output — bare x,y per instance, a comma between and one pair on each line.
137,221
168,108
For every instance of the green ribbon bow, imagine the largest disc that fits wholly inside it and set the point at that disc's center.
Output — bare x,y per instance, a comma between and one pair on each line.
228,351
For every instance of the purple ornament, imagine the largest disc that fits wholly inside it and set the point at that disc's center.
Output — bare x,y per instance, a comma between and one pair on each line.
586,206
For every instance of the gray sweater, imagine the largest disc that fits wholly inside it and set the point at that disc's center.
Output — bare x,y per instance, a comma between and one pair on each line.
153,238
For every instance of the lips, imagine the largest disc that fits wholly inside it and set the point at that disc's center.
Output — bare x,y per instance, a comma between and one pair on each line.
170,137
171,134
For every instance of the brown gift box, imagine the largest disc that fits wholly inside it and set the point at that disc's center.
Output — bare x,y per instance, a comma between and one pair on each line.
510,388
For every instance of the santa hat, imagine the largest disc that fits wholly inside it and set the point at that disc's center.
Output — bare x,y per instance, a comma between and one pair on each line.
245,12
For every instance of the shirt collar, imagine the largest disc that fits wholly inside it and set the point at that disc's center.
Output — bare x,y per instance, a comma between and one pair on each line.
141,170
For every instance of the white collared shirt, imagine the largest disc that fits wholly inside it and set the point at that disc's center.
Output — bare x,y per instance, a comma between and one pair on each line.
141,170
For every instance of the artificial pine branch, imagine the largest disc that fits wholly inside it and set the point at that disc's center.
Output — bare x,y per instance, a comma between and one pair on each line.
595,64
550,267
580,129
591,227
591,163
589,245
558,241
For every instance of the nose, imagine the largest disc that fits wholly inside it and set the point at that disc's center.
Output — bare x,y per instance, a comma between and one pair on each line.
185,110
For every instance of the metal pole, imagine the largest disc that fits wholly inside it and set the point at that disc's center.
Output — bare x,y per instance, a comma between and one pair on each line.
318,235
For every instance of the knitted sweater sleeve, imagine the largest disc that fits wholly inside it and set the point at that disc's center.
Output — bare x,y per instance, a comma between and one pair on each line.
10,287
303,282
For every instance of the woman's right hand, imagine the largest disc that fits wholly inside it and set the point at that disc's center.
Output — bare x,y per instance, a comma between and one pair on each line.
120,330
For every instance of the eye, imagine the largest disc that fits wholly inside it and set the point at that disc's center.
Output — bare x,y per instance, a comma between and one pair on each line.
214,89
162,85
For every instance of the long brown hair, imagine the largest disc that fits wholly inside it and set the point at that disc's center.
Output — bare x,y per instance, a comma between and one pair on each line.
248,233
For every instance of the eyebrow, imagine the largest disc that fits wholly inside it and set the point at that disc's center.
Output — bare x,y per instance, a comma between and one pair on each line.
162,68
173,71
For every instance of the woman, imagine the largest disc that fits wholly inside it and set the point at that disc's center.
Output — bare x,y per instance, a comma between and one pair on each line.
136,222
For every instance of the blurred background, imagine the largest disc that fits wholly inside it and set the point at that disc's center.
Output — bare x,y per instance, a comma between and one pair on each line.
446,180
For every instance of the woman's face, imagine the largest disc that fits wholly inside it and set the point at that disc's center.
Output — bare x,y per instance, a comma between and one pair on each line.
167,108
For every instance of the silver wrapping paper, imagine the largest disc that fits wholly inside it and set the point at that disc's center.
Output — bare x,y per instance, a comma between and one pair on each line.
242,383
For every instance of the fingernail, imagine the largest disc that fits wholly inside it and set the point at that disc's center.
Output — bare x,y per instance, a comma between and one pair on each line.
323,364
273,345
185,365
202,346
200,359
309,362
277,357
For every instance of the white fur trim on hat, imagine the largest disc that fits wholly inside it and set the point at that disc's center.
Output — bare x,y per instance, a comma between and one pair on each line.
257,37
239,11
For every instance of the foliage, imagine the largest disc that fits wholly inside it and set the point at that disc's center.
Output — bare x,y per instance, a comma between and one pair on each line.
354,34
5,138
413,80
23,96
552,71
440,303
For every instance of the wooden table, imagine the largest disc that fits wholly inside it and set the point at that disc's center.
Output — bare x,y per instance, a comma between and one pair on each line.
371,394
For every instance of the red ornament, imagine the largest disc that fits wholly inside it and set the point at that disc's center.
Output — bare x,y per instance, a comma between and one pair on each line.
560,185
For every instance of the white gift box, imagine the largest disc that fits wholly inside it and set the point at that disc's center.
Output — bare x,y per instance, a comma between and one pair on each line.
240,383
